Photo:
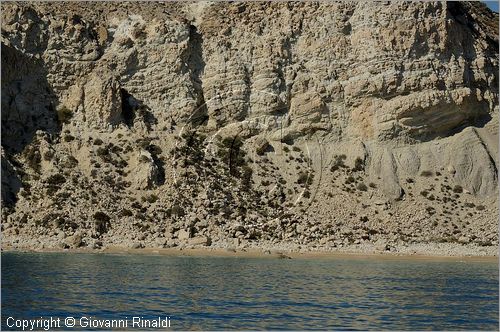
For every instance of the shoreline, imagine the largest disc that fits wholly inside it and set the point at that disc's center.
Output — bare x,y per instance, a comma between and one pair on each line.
259,253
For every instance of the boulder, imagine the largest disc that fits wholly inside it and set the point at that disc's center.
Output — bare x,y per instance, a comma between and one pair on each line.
183,234
73,241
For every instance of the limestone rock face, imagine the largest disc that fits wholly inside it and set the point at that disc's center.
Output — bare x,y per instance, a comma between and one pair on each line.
302,113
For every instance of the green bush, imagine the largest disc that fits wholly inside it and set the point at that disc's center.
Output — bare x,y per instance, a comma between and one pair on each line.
458,189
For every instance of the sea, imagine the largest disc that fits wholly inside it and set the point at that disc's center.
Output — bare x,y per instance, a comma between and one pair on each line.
80,291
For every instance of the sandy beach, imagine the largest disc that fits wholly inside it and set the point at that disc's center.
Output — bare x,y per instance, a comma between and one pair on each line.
271,254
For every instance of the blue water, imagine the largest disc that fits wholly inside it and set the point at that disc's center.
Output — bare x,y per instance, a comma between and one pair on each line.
250,293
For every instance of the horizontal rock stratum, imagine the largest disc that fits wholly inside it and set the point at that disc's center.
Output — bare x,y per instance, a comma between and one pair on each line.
327,125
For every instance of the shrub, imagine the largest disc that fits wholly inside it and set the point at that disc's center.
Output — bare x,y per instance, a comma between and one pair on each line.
261,150
303,178
154,149
296,149
286,149
71,162
69,138
32,156
458,189
426,173
151,198
350,179
246,176
410,180
144,159
56,180
102,222
358,165
231,153
424,193
126,213
338,162
362,187
98,141
64,114
177,210
144,143
372,185
480,207
102,151
430,210
48,155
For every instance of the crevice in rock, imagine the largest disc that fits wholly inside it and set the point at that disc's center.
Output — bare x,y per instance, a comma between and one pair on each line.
133,108
196,66
128,107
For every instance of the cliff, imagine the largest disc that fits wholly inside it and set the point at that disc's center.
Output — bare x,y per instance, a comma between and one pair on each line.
325,125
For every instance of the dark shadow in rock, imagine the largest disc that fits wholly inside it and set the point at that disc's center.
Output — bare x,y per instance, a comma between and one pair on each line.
132,108
196,66
160,164
11,183
28,101
28,105
129,107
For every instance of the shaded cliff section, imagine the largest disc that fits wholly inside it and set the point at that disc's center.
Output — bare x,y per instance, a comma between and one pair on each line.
28,109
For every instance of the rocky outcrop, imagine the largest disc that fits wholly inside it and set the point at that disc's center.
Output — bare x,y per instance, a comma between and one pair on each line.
318,124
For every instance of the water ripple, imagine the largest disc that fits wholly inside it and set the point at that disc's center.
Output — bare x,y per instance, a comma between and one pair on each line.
246,293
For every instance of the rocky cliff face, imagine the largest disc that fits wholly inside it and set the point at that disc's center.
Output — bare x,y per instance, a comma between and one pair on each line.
324,124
